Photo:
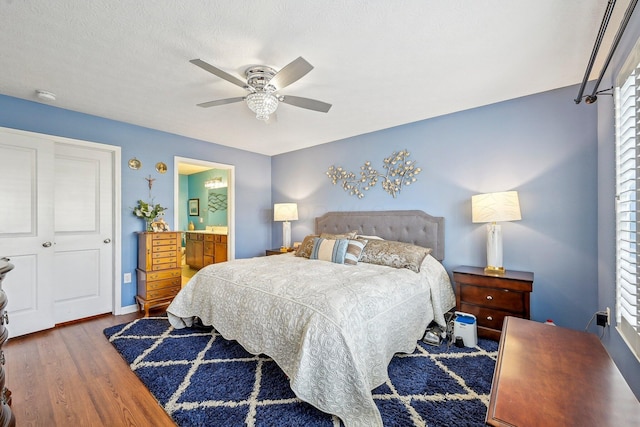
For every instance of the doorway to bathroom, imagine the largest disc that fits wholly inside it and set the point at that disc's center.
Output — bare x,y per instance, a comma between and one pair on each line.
204,202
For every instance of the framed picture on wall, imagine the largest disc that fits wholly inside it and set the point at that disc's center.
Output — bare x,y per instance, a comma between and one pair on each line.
194,207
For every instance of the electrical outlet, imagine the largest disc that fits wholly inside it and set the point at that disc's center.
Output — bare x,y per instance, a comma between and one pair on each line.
602,317
127,277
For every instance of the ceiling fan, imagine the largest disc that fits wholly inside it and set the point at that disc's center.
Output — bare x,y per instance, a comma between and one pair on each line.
263,84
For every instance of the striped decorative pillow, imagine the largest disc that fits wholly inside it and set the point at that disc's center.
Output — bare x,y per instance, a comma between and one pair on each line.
354,251
329,249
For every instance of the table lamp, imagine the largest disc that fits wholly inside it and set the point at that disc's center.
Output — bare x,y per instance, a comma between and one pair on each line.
285,212
493,208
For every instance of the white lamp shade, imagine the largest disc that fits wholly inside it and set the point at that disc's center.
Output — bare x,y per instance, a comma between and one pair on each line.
495,207
285,212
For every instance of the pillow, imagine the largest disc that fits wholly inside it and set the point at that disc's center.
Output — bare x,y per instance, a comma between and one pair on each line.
354,251
394,254
362,236
329,249
304,250
348,235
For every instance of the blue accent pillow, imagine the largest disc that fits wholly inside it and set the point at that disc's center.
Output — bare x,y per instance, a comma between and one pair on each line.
329,249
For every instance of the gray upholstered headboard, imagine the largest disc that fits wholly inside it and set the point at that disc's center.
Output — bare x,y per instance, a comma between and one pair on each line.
415,227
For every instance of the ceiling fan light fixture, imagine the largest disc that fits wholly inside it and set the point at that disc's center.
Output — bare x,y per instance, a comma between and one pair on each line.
264,83
263,104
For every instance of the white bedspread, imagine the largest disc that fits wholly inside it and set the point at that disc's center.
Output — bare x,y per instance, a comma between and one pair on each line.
332,328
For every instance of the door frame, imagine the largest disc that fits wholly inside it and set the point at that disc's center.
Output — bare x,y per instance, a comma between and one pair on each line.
231,191
116,152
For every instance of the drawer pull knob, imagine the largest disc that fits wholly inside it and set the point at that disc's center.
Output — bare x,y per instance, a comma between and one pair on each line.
489,318
489,297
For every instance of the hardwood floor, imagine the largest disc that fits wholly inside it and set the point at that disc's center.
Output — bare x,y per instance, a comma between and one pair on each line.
72,376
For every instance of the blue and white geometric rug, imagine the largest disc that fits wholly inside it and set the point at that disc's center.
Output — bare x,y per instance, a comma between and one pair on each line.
201,379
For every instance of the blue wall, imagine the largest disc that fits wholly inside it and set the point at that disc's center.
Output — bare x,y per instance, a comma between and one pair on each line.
252,186
556,154
618,349
543,146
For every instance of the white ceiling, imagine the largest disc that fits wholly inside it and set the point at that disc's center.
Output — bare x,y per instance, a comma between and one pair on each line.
380,63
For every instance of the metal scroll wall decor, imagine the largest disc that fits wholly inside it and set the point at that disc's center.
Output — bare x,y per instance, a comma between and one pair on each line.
399,171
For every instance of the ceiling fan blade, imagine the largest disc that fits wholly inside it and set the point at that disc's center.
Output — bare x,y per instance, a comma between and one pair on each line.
218,72
309,104
292,72
221,102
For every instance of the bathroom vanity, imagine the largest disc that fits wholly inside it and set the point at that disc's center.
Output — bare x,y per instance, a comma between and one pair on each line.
204,247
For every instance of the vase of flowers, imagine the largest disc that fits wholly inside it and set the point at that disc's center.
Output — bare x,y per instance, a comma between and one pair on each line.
149,212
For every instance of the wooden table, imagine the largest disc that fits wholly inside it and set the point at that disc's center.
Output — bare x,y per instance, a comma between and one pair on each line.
553,376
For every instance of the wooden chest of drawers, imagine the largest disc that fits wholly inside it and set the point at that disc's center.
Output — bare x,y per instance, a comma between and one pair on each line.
491,298
159,271
7,418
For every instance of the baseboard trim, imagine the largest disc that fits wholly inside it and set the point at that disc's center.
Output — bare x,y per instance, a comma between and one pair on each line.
126,310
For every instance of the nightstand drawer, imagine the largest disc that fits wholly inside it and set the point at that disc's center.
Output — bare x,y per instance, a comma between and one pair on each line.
487,317
504,299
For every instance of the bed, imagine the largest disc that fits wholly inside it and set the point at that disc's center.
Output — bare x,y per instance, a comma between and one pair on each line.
332,328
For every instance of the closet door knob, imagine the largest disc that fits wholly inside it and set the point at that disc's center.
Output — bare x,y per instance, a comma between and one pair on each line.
107,240
46,244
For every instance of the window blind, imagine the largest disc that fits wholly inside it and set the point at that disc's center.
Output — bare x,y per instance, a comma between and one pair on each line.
627,201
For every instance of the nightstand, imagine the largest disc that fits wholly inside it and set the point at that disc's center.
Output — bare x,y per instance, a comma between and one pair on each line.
276,251
491,298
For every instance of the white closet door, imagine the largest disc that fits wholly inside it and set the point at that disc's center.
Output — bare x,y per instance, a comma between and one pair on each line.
56,226
83,266
26,230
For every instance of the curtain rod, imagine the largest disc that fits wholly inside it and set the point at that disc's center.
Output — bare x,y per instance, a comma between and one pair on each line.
614,45
590,99
603,27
